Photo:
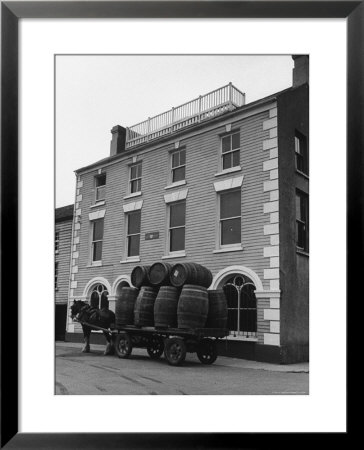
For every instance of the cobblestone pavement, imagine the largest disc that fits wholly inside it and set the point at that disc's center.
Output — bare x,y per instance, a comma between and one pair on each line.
94,373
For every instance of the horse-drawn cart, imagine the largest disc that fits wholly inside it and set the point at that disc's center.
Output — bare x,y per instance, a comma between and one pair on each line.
173,342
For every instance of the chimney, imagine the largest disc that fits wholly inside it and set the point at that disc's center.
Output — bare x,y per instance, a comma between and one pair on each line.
300,70
117,144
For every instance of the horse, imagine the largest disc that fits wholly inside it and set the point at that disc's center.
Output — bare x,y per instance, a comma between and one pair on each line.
104,318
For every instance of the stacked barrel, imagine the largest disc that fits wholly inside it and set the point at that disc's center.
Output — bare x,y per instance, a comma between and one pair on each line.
170,296
165,307
144,304
190,273
134,305
124,306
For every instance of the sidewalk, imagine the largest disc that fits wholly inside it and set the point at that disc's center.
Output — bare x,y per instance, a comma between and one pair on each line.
221,360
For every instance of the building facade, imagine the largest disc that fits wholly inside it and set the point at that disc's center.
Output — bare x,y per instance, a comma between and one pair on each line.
217,182
62,250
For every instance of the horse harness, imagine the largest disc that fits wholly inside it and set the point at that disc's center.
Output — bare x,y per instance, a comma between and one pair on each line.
91,312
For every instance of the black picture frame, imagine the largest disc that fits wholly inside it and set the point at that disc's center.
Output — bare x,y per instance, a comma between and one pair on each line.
11,12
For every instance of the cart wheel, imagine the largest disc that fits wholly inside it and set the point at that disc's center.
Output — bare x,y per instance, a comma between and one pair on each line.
207,351
175,351
155,347
123,345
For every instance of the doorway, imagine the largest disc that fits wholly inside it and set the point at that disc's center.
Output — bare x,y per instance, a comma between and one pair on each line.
60,322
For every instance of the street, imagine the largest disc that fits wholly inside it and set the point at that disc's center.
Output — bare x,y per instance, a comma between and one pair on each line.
93,373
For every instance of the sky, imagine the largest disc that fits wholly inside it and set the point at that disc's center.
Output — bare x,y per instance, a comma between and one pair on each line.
96,92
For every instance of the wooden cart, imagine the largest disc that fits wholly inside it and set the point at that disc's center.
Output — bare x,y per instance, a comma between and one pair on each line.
173,342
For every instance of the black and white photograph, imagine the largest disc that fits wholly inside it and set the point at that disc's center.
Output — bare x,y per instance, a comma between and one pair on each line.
181,211
181,240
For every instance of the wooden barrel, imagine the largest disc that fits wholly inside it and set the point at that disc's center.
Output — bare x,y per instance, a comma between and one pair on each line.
193,306
217,315
124,306
144,307
139,276
190,273
159,274
165,307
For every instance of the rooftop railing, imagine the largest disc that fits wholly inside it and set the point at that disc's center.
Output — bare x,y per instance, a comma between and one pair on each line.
205,107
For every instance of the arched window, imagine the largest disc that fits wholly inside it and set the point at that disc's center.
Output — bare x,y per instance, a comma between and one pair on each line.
98,298
242,305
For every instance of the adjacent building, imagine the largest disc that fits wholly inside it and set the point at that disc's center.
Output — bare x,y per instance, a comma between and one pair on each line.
214,181
62,250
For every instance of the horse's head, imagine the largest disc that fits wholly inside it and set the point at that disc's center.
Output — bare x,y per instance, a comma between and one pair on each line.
76,307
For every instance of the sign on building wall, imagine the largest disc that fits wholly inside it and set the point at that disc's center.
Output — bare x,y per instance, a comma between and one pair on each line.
152,235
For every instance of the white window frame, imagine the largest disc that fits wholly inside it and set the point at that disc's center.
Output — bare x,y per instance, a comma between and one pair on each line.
92,261
97,188
168,234
175,183
134,179
239,332
56,242
94,288
303,195
232,168
237,246
300,147
126,234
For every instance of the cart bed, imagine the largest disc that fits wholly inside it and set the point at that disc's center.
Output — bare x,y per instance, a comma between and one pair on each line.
183,332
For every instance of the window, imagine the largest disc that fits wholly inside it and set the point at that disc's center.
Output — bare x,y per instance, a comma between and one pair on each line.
230,218
133,233
100,184
302,220
56,276
56,242
242,306
97,236
99,297
230,149
178,166
300,144
136,178
177,225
